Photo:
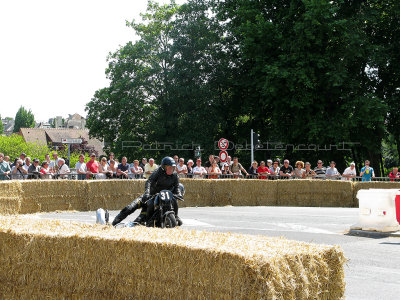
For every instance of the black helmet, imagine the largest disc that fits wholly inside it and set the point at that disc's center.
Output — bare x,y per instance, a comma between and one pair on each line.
167,161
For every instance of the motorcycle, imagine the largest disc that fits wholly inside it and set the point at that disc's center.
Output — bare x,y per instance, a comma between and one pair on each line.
163,216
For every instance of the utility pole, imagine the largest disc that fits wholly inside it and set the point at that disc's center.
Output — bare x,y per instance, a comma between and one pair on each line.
252,145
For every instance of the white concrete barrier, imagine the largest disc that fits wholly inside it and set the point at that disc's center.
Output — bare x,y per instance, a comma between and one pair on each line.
377,210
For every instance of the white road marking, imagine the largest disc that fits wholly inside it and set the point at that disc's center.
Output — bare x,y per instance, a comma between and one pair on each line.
194,222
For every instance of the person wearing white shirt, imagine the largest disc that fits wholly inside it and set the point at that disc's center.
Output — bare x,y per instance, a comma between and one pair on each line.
63,168
198,170
332,172
181,168
81,168
350,172
27,165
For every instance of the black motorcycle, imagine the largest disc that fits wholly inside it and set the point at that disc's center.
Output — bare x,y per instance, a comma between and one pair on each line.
164,215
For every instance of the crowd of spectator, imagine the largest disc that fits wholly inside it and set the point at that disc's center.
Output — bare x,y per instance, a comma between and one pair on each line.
24,168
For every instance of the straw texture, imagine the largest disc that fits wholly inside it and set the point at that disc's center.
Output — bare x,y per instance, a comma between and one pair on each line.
10,197
48,258
31,196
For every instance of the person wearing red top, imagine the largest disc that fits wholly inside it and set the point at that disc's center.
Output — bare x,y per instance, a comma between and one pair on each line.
263,171
394,174
92,165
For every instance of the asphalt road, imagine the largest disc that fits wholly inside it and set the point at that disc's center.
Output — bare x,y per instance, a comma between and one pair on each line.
373,270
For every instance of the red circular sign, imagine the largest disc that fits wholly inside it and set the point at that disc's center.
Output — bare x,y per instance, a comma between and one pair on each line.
223,155
223,144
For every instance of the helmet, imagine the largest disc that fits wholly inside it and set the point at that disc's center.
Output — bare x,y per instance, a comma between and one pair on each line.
167,161
182,188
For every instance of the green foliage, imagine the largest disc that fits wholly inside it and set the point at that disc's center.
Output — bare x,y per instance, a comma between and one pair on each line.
296,71
15,144
23,119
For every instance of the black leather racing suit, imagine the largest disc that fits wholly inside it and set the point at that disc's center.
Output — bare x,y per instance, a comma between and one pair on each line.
157,182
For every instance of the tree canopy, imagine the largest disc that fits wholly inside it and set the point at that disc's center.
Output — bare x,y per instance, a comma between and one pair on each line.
298,72
23,119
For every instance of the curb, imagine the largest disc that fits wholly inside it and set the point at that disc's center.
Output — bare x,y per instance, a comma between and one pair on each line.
373,234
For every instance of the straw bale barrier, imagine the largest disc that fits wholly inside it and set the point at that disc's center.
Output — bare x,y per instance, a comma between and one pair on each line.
57,260
112,194
310,193
52,195
31,196
10,197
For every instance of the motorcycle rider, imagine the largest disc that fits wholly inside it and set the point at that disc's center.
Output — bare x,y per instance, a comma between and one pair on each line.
163,178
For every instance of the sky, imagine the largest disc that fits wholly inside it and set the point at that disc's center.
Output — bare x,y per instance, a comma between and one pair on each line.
53,53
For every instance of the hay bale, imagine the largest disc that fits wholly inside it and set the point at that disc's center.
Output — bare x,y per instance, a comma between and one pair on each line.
48,258
52,195
113,194
363,185
199,192
10,197
315,193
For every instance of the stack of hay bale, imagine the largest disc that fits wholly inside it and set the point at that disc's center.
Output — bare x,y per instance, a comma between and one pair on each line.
52,195
54,259
309,193
10,197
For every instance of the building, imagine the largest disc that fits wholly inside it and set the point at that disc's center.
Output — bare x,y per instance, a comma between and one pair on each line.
53,137
75,121
8,126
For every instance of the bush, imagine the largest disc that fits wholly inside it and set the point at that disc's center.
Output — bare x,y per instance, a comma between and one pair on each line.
15,144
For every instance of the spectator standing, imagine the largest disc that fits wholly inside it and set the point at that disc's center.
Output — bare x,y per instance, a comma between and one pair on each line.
136,170
286,171
110,157
320,170
143,163
189,168
269,164
5,169
22,157
92,166
229,161
263,171
208,163
237,168
299,172
81,168
113,168
181,168
226,171
18,171
123,169
253,169
27,165
47,158
54,163
45,170
394,175
367,173
214,171
176,159
308,172
349,172
275,168
332,172
199,171
104,169
150,168
63,169
34,169
7,160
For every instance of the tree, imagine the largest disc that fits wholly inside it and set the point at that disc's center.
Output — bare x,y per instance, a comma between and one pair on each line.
23,119
1,126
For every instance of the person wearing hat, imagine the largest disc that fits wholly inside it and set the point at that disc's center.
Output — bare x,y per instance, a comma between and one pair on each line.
198,170
189,166
350,172
34,169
